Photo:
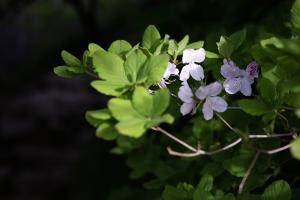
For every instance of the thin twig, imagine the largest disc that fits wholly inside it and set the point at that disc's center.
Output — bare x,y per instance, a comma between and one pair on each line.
273,151
175,138
199,151
243,182
226,123
284,119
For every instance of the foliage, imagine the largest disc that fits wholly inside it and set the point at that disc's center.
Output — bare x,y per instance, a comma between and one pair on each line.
144,98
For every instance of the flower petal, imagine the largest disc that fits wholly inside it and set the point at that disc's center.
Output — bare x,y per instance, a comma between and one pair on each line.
230,70
207,111
232,85
196,71
246,87
185,73
185,93
191,55
214,88
187,107
218,104
201,92
171,70
252,71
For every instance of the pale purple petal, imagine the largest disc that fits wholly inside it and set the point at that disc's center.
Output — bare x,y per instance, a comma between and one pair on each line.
246,87
230,70
214,88
187,107
192,56
196,71
218,104
185,73
207,110
201,92
232,85
171,70
185,93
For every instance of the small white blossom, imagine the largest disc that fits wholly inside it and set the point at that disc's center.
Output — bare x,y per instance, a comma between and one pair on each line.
238,79
212,102
170,71
191,57
186,95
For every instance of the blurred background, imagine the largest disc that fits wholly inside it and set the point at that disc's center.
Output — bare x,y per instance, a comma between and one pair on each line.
47,149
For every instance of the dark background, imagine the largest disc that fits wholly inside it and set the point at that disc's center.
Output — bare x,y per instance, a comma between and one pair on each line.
47,149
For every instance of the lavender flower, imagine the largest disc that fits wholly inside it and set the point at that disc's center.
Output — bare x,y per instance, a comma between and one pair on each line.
238,79
192,57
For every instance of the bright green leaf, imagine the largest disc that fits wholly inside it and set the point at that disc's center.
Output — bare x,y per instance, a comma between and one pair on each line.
183,43
133,65
109,67
94,47
106,131
109,88
160,102
122,109
94,117
278,190
70,60
134,127
120,47
150,37
254,106
142,101
154,68
63,71
295,148
225,46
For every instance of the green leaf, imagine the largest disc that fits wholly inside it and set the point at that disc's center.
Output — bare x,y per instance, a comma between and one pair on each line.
195,45
70,60
278,190
160,103
183,43
63,71
238,38
295,148
268,91
94,117
203,195
295,18
172,48
150,37
154,68
106,131
225,46
109,67
133,65
238,165
134,127
109,88
93,48
206,182
120,47
122,109
142,101
254,107
209,54
173,193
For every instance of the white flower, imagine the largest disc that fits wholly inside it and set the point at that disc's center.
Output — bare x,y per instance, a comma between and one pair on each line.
186,95
191,57
171,70
238,79
212,102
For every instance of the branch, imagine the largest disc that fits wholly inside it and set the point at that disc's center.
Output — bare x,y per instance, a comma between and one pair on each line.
243,182
199,151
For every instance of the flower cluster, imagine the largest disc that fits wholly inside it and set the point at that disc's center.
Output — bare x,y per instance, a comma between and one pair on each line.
236,80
